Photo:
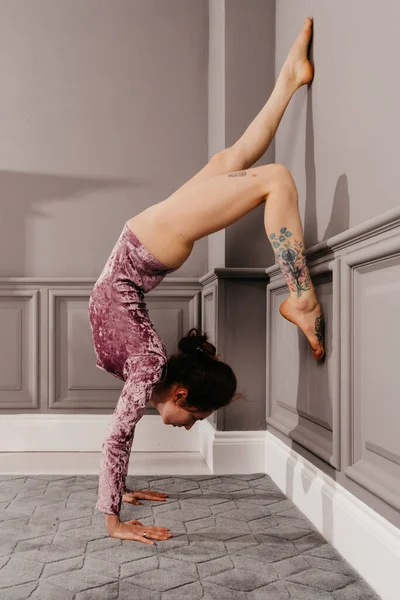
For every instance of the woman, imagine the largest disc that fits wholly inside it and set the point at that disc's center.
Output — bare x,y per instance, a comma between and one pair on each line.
156,242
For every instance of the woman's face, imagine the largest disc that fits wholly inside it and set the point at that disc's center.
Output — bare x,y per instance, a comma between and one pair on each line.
176,415
169,405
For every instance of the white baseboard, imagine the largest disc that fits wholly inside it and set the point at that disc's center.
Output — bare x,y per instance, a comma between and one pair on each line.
230,452
86,433
370,543
88,463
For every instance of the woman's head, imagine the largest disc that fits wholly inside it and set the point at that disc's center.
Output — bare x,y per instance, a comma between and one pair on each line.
196,382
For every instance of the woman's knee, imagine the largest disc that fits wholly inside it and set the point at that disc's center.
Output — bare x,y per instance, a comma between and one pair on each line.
282,176
276,175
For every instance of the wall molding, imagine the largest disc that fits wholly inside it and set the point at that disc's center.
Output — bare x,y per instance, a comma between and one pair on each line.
23,373
386,223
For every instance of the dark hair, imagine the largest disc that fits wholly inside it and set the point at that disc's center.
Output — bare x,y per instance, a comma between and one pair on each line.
210,382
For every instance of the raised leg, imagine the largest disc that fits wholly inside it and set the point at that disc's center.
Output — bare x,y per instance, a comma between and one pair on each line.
223,191
296,71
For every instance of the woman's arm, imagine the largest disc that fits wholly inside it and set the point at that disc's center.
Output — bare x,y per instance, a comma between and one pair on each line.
111,522
142,373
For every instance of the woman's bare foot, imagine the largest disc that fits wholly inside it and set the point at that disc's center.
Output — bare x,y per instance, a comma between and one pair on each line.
308,317
297,66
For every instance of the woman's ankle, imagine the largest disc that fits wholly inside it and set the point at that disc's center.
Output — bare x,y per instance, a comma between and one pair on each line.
307,301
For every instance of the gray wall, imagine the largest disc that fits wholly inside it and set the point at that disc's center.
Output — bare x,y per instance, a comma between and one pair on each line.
103,113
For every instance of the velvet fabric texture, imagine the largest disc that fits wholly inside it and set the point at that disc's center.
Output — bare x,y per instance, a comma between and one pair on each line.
128,347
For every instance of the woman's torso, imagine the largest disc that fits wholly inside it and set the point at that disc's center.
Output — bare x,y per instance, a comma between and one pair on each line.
118,312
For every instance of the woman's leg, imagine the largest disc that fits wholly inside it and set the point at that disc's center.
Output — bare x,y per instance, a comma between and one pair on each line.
285,233
296,71
213,198
220,201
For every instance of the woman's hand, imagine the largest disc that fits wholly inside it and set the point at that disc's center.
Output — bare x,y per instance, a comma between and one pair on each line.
134,530
133,496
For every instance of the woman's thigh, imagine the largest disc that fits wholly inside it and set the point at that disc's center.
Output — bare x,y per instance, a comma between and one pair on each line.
217,202
170,228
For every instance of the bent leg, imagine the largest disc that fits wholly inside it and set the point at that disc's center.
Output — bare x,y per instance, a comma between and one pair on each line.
170,228
216,203
285,233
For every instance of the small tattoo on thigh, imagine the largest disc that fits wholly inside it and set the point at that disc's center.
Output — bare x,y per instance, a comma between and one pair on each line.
237,174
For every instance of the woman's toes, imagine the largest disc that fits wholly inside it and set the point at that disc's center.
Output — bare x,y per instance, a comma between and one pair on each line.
319,354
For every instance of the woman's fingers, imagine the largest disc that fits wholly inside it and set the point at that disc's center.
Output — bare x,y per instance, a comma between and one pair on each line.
149,495
129,497
132,496
147,528
134,530
151,532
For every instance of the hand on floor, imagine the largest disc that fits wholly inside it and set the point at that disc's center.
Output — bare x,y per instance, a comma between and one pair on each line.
134,530
133,496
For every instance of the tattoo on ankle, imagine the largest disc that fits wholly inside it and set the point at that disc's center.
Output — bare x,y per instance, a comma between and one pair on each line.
292,260
320,328
237,174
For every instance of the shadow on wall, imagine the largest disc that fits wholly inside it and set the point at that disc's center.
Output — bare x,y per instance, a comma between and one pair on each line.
339,222
21,197
340,214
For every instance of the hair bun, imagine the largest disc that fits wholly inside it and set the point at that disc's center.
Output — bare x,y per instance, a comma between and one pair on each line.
207,348
195,342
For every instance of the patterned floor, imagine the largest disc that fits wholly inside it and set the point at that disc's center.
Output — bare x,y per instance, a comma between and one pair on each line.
235,537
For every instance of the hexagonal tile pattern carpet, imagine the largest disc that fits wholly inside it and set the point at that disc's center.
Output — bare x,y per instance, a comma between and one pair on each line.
235,537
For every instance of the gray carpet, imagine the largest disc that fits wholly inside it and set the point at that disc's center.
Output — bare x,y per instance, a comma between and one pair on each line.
235,537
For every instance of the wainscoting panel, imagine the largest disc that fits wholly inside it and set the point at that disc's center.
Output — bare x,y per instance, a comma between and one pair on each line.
174,308
371,397
47,360
303,394
19,348
74,380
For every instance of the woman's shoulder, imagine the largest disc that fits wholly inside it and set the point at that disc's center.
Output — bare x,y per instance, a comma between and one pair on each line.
148,367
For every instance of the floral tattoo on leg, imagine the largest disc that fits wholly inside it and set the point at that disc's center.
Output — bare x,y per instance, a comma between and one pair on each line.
292,261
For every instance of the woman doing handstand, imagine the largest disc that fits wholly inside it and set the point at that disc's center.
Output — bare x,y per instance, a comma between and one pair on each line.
193,383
